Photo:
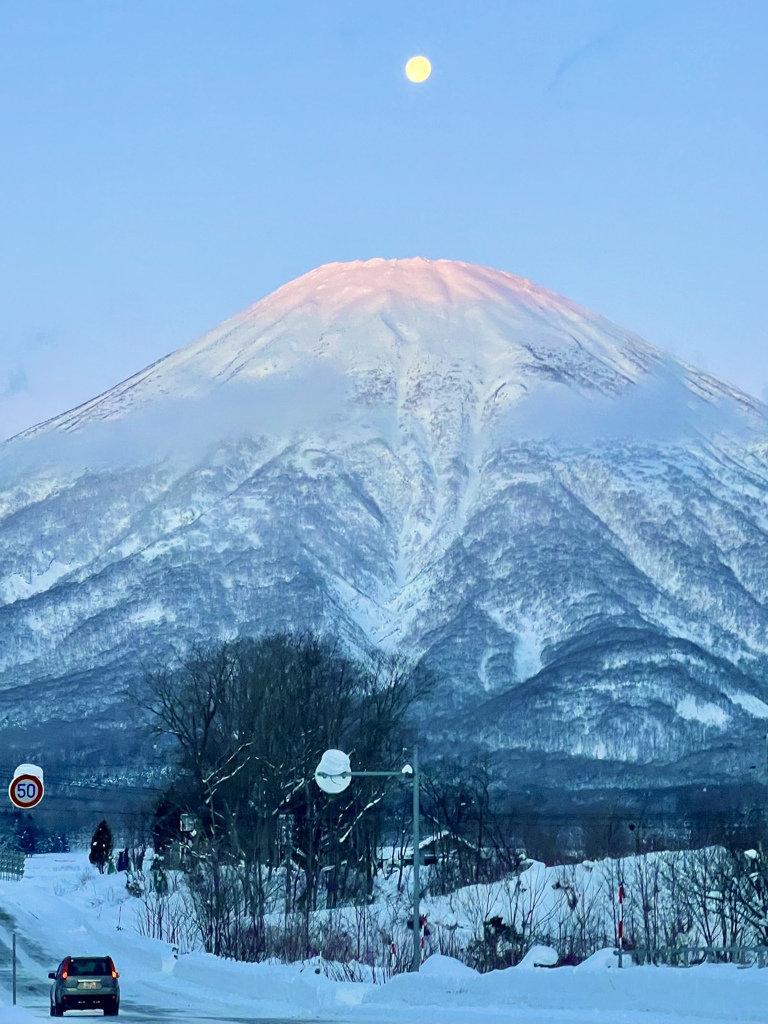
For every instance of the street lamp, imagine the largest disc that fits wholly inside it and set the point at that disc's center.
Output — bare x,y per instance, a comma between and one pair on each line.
334,774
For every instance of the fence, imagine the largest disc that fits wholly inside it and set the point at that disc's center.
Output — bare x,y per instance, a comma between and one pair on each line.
688,956
11,865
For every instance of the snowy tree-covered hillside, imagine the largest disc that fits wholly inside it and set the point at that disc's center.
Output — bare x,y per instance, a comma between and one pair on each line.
565,523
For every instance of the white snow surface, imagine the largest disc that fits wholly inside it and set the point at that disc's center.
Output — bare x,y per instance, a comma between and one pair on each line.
63,907
706,713
753,705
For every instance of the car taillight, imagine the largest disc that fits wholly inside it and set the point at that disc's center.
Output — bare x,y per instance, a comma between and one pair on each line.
64,974
114,973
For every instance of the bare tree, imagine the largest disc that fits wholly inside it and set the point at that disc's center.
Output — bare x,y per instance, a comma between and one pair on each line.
251,720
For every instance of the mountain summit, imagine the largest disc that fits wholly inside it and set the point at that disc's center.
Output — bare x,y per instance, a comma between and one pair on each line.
385,323
566,524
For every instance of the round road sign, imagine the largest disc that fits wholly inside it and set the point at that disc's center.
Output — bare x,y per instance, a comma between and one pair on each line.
26,791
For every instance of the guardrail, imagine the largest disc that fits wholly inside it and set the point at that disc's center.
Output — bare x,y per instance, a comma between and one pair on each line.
689,956
11,865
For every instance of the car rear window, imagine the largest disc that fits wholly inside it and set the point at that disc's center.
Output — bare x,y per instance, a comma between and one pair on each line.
90,965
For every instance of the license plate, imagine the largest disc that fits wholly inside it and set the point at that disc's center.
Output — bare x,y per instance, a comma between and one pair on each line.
87,984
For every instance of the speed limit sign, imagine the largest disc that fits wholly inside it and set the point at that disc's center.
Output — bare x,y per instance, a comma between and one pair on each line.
26,790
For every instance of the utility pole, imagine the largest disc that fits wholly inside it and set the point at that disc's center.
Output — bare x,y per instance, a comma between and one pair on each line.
13,970
416,864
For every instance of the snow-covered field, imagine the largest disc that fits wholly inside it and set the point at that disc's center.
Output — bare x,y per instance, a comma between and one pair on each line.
62,906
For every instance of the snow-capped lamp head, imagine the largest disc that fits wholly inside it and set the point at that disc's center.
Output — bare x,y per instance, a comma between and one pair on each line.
334,773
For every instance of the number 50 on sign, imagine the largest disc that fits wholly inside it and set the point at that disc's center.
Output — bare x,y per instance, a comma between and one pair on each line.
26,790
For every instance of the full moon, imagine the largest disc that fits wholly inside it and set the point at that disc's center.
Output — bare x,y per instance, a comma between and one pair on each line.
418,69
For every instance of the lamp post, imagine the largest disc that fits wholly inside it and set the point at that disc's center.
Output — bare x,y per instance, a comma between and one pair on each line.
334,774
756,768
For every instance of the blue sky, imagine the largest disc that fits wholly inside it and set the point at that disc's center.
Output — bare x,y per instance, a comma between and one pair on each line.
168,162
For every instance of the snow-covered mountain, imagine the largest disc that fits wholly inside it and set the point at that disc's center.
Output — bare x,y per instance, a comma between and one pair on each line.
567,524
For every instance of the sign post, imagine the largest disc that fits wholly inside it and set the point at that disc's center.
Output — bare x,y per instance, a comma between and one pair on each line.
621,923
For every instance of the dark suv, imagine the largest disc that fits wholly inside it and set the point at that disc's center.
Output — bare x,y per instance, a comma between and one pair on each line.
85,983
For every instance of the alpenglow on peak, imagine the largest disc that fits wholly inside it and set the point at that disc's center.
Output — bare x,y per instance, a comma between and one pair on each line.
392,328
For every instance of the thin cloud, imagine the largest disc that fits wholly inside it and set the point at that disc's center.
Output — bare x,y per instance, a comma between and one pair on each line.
283,405
660,408
596,46
17,381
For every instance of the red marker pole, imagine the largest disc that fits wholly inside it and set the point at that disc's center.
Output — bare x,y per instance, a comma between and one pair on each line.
621,921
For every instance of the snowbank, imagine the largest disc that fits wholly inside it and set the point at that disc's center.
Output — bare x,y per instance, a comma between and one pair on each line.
10,1014
604,958
539,956
61,907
